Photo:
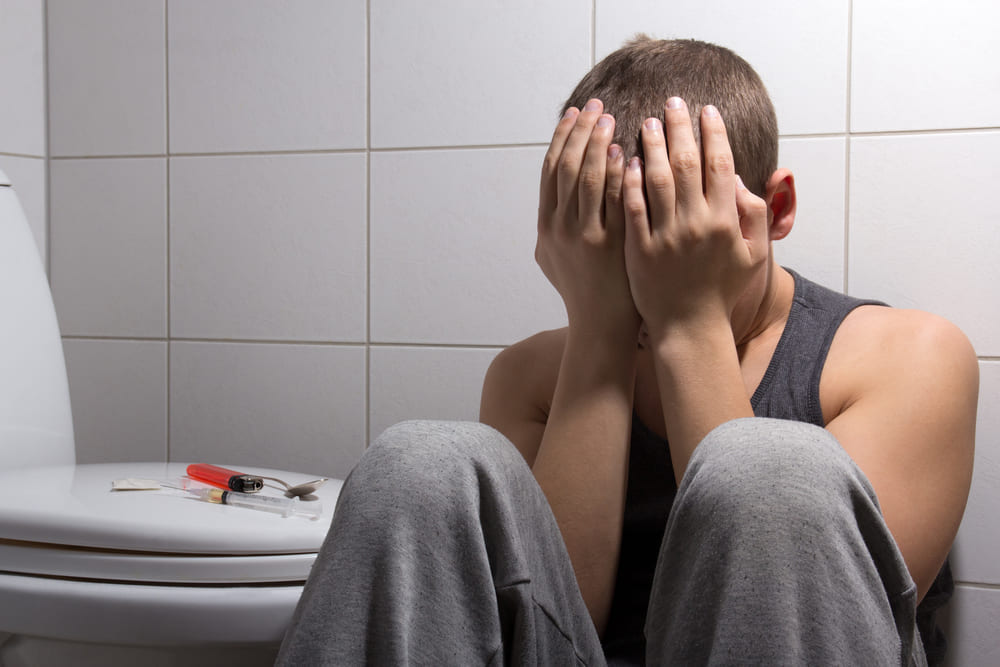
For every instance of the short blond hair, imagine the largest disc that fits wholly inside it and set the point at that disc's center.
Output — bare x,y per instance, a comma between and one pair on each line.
635,82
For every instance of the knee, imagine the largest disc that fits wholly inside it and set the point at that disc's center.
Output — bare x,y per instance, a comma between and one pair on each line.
756,469
424,460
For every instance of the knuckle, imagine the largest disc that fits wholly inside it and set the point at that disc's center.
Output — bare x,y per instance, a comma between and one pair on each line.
613,196
567,166
685,161
635,208
591,180
550,163
659,183
721,164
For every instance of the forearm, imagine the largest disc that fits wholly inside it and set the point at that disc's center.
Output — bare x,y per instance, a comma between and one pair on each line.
701,385
582,463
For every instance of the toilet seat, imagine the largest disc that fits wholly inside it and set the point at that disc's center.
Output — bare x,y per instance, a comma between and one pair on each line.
147,566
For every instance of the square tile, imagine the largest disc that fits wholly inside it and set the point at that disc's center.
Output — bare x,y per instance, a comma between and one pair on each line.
107,77
923,68
453,73
974,557
924,234
109,246
266,76
22,58
971,623
453,239
27,175
294,407
803,64
268,247
425,383
815,247
118,391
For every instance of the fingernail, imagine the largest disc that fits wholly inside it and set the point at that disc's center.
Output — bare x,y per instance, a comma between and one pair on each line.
652,124
675,103
739,182
604,121
614,152
633,163
572,111
711,111
592,105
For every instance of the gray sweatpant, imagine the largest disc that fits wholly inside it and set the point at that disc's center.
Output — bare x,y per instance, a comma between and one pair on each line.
443,551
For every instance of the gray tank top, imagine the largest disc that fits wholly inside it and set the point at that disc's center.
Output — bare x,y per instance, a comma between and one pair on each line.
788,390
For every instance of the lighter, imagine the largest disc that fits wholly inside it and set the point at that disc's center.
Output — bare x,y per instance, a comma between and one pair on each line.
226,478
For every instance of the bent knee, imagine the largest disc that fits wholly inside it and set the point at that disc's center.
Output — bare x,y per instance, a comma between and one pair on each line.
422,453
758,465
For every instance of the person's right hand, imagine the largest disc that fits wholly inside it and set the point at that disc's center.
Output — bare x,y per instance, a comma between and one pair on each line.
581,224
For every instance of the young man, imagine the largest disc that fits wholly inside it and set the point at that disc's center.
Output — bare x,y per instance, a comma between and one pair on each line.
807,535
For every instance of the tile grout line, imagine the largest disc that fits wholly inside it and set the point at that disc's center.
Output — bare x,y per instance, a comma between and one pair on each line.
847,149
368,224
166,136
48,142
477,147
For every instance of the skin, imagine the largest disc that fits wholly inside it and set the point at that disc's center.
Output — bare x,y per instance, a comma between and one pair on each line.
678,257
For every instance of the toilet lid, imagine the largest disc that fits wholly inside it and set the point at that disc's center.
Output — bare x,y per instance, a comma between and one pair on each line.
66,521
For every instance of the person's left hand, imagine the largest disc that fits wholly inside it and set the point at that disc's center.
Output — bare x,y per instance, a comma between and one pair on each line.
692,249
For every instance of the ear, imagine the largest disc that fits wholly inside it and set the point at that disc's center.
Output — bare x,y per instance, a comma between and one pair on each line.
779,193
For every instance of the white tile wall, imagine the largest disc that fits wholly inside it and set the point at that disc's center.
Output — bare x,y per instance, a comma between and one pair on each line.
102,288
266,76
119,399
451,381
816,243
453,250
974,616
107,73
932,68
22,59
292,407
976,551
268,247
452,72
27,174
798,48
924,226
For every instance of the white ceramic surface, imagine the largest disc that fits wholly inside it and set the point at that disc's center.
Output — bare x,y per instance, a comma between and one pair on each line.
75,506
34,395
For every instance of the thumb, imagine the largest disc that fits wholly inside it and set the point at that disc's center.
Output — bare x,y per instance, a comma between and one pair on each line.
751,209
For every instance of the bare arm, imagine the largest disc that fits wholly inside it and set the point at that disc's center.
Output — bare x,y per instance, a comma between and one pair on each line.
908,419
691,250
579,453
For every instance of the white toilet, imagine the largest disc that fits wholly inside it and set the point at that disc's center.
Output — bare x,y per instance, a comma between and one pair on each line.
94,576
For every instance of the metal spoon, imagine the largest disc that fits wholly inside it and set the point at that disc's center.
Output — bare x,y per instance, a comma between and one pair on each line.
303,489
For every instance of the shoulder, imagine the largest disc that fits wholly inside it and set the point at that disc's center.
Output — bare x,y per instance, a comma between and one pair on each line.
907,384
518,389
907,351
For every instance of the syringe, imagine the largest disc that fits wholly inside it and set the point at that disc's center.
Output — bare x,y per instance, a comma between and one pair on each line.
283,506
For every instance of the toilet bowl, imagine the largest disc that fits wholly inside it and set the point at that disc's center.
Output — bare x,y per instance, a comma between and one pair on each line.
94,576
